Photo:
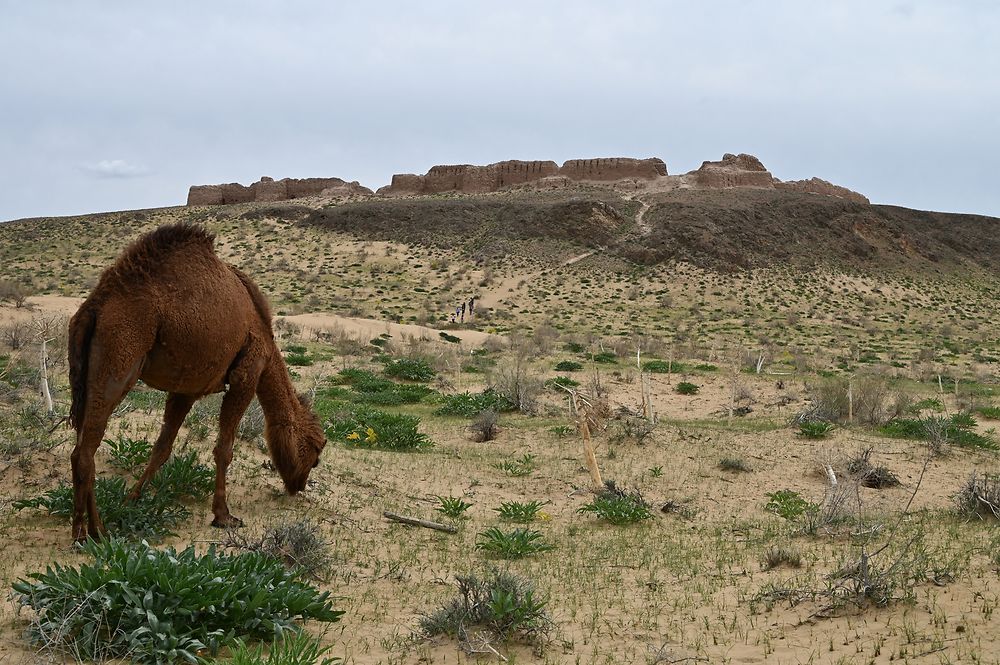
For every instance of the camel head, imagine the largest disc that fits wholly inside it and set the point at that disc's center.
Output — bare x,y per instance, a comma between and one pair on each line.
296,447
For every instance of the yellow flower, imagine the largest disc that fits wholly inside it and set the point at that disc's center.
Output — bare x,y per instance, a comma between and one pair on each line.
371,435
353,436
544,516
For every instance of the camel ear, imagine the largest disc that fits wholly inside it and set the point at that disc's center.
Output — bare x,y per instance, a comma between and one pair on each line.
304,400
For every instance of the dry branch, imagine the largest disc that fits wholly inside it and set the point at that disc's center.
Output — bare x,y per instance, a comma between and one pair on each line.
413,521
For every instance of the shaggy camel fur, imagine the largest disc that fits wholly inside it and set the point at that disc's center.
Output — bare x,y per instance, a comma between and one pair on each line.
169,312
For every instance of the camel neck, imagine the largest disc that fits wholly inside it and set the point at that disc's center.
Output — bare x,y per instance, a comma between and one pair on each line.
276,392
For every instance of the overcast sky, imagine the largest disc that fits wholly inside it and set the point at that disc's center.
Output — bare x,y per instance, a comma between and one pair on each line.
119,105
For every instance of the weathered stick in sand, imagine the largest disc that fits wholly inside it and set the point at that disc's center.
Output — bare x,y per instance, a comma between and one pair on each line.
413,521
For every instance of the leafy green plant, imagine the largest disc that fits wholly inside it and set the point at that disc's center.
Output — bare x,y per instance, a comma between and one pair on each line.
452,506
789,504
656,471
369,388
522,466
937,430
990,412
514,544
364,427
154,514
156,606
928,404
410,369
618,507
128,453
562,430
292,649
605,358
659,366
520,511
963,420
686,388
815,429
568,366
472,404
298,358
449,338
501,602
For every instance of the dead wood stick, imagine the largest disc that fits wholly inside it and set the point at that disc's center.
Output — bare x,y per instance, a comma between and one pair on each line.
413,521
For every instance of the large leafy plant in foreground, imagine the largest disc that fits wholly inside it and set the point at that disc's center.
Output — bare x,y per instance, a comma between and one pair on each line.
163,606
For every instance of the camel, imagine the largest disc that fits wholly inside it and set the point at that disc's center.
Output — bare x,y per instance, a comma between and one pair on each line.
169,312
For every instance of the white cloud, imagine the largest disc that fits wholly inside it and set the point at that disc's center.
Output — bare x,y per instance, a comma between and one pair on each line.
115,168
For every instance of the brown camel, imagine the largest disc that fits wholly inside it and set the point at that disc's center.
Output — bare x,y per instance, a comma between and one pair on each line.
169,312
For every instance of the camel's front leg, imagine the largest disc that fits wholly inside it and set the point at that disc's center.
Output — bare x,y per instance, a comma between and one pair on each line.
234,404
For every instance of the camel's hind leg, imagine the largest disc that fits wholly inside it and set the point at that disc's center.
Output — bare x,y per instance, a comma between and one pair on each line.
174,413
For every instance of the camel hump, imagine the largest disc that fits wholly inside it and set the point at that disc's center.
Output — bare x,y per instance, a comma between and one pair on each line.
258,297
147,253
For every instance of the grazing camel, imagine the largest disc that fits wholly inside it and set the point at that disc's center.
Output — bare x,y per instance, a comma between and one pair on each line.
169,312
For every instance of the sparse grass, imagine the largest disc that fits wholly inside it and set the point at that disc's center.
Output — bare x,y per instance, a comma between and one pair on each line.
781,556
522,466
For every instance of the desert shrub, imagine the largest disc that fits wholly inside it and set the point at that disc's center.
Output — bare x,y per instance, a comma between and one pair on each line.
364,427
938,431
568,366
686,388
520,511
871,396
574,347
618,506
928,404
815,429
605,357
298,544
369,388
501,602
297,356
410,369
484,427
980,496
159,509
562,430
868,474
562,382
452,506
471,404
449,338
659,366
789,504
515,544
251,426
518,385
734,464
781,556
291,649
157,606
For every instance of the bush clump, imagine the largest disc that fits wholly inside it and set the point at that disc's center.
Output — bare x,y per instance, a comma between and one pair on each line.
501,602
410,369
470,405
939,431
364,427
686,388
568,366
980,496
153,606
618,506
369,388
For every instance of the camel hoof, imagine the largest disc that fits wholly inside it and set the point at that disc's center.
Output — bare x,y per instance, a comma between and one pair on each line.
228,522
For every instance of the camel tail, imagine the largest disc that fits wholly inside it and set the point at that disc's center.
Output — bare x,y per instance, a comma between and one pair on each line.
81,332
259,299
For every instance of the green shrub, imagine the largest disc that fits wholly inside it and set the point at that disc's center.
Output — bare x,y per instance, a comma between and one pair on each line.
502,603
574,347
410,369
562,430
369,388
705,367
128,453
364,427
568,366
659,366
937,430
815,429
686,388
618,507
449,338
159,606
562,381
789,504
518,511
514,544
295,649
452,506
929,404
158,510
990,412
470,405
298,360
605,357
